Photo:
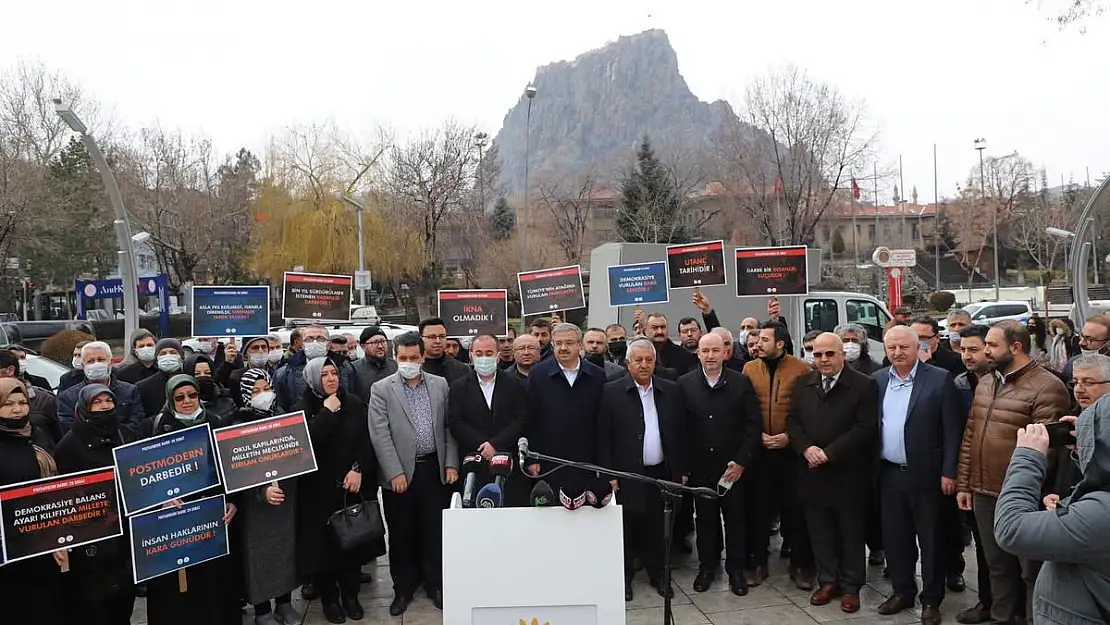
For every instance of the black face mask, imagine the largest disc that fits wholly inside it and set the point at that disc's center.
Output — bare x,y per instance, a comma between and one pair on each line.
597,359
15,424
618,348
206,387
107,419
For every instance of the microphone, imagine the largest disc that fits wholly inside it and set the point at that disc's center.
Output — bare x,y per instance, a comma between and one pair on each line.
600,493
522,451
489,496
572,497
470,467
501,465
542,496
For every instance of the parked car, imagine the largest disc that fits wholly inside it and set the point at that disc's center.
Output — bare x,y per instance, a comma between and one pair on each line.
31,334
988,313
45,368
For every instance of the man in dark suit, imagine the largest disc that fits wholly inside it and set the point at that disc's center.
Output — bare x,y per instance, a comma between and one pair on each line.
564,394
832,425
723,415
485,411
920,431
642,429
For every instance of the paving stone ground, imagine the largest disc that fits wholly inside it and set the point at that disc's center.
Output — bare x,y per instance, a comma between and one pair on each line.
776,602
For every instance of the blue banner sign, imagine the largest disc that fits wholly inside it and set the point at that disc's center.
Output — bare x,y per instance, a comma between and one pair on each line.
638,284
231,311
171,539
153,471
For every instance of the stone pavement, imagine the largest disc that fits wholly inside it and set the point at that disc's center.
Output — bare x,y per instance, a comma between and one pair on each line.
775,602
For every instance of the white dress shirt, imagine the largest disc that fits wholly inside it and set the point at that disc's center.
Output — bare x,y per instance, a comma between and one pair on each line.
835,379
571,374
487,389
653,442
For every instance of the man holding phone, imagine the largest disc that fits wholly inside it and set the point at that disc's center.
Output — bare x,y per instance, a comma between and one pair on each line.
1020,392
1091,380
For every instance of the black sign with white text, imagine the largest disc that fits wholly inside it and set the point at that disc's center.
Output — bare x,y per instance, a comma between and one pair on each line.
316,296
470,313
696,265
549,290
767,271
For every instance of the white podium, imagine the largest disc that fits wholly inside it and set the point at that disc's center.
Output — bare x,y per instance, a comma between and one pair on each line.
519,566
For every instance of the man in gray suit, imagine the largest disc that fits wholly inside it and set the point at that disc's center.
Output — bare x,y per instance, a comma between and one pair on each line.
419,460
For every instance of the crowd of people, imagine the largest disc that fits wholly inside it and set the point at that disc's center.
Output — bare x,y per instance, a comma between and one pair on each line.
856,459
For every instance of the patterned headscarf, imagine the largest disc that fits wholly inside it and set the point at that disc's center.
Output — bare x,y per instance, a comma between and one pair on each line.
8,386
246,384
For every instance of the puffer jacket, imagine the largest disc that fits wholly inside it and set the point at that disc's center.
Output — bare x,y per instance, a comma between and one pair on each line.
1000,407
774,403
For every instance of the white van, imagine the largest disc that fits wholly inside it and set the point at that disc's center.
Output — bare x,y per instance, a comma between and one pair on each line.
987,313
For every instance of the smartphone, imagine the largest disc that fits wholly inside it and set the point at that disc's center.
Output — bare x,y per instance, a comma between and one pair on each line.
1059,434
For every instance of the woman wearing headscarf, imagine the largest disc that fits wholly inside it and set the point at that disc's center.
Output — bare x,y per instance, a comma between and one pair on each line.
266,522
214,397
100,586
211,590
30,590
344,456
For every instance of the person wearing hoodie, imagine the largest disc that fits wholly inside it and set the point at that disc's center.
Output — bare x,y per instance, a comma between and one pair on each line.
1073,540
375,363
436,360
213,396
170,359
101,590
96,357
140,363
266,522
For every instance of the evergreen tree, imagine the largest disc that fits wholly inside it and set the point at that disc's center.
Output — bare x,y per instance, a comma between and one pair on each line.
837,243
502,221
651,210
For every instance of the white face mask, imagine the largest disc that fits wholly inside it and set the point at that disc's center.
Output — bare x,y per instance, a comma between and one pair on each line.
274,356
169,363
77,364
852,351
485,365
206,347
315,350
22,366
408,370
145,354
263,401
258,359
98,371
742,338
808,357
1060,332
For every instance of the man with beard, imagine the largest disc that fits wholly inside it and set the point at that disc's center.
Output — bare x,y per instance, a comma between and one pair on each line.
1094,339
774,471
1021,392
505,357
595,344
689,333
541,329
375,364
436,359
526,351
618,343
973,348
668,353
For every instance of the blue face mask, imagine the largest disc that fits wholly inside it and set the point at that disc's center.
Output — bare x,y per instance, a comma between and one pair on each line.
485,365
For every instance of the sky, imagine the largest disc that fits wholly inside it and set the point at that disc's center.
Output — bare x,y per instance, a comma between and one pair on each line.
943,72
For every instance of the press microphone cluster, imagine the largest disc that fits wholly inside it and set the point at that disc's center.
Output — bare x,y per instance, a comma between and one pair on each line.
489,496
542,496
501,465
470,467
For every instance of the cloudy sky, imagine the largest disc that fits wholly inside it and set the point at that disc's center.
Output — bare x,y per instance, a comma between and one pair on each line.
943,72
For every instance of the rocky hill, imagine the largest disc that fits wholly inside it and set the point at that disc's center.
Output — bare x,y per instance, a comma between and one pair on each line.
593,111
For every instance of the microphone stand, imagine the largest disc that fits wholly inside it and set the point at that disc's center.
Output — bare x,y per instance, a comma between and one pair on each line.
670,491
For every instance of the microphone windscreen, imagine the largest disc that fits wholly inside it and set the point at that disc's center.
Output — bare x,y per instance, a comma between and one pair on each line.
572,497
601,491
471,463
542,495
489,496
501,465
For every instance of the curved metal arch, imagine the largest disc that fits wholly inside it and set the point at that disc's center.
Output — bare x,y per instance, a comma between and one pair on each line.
1084,230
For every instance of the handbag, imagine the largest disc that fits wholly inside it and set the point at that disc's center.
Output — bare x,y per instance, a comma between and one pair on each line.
357,524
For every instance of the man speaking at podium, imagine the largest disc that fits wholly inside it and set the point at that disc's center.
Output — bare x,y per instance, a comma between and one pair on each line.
485,411
563,397
641,429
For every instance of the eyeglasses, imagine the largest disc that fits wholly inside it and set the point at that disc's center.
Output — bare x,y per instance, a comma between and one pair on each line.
561,344
828,354
378,342
316,339
435,337
1089,383
1094,340
187,395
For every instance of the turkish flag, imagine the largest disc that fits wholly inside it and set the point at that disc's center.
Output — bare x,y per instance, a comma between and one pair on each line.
855,189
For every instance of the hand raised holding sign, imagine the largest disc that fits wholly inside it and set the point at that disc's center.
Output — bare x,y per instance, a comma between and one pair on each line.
701,302
556,319
773,310
639,321
230,351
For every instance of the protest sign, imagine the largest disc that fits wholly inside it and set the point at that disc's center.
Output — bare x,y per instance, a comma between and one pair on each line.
470,313
60,512
696,265
316,297
175,538
264,451
231,311
638,284
550,290
171,466
764,271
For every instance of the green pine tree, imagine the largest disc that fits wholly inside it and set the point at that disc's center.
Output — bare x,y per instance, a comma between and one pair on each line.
837,243
651,210
502,221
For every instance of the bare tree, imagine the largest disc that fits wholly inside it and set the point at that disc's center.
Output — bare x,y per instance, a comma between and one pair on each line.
436,173
793,148
570,202
320,160
1068,12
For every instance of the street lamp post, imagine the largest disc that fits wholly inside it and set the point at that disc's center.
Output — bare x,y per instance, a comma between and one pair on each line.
980,145
530,92
129,275
361,260
480,140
